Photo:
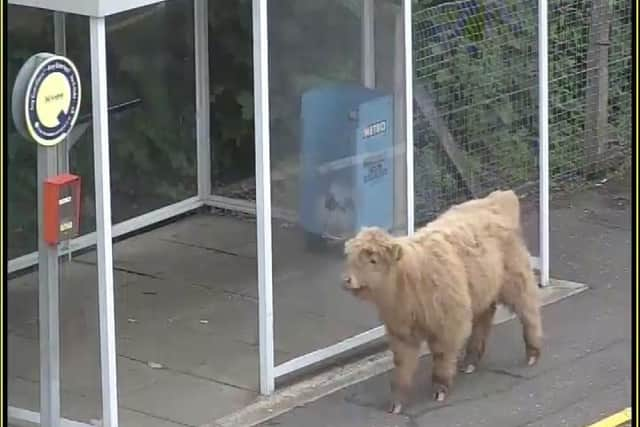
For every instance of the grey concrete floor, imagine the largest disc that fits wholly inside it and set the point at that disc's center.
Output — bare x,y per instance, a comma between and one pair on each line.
585,372
186,318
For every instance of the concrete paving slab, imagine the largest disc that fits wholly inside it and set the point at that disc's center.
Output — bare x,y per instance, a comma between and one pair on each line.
148,301
184,399
208,357
292,322
22,312
583,413
156,258
590,264
78,283
533,399
23,357
165,304
210,231
23,393
130,418
343,414
134,375
150,304
78,407
222,315
374,393
298,333
78,328
317,290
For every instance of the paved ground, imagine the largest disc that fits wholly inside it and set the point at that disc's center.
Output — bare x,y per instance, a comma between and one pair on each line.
186,308
186,320
585,373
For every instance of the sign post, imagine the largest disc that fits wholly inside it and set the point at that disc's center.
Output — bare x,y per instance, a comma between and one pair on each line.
45,104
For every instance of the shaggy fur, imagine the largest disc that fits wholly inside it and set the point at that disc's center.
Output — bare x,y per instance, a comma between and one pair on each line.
442,284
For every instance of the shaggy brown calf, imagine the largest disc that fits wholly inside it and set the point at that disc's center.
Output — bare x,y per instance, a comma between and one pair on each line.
442,284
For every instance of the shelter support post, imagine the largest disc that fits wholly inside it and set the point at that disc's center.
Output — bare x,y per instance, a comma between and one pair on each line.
263,194
543,143
103,222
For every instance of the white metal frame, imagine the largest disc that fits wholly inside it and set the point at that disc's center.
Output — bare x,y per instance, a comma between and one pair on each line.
543,142
268,372
48,303
19,414
201,46
263,194
102,173
368,43
407,25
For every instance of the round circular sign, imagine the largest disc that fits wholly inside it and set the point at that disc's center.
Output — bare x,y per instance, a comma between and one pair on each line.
46,98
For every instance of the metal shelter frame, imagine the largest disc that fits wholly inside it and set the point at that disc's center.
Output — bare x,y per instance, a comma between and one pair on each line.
46,259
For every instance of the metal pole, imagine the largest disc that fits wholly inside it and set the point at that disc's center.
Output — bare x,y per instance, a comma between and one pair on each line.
368,44
263,196
543,95
399,142
60,42
60,46
201,28
103,222
408,99
48,303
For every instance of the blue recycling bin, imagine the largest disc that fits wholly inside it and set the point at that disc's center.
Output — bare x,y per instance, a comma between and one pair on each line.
346,161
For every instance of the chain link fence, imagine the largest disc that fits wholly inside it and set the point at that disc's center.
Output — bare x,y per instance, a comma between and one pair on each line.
476,90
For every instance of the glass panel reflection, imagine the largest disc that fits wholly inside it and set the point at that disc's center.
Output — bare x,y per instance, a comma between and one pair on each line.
31,31
337,158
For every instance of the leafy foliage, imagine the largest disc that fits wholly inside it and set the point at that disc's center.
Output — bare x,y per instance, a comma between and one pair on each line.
478,62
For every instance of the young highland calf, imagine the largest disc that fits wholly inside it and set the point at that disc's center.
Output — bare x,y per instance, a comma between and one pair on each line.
442,284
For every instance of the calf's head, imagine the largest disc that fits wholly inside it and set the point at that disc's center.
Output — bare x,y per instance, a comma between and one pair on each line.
371,260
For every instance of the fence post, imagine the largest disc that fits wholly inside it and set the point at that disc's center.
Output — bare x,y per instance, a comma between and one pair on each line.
597,91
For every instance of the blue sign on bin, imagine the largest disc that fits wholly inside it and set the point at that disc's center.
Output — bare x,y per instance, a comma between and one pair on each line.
346,160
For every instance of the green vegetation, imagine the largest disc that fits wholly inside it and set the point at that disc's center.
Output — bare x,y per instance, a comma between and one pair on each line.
478,62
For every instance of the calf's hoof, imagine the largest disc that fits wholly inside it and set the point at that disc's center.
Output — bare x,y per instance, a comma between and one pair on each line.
440,393
395,408
469,368
533,355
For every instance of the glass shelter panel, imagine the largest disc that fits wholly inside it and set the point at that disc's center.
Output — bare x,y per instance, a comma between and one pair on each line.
186,310
29,31
336,89
231,99
476,106
151,89
58,328
80,379
151,80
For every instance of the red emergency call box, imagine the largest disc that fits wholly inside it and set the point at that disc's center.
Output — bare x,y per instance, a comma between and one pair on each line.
61,208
